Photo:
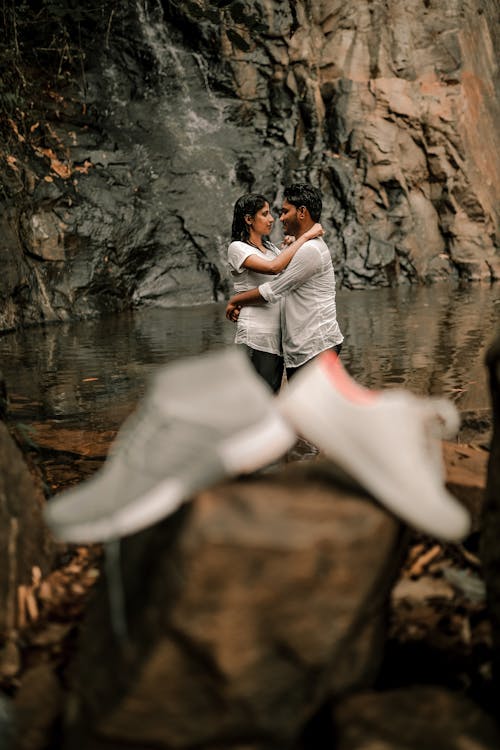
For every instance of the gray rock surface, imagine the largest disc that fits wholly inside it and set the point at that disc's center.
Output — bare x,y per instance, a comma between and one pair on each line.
121,192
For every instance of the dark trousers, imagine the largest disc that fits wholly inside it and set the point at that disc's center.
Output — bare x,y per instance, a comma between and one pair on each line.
269,366
291,371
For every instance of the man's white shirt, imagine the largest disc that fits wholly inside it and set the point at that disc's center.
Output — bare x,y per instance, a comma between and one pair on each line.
307,288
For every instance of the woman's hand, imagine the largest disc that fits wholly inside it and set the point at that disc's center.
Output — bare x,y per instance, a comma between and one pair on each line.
232,311
287,240
315,231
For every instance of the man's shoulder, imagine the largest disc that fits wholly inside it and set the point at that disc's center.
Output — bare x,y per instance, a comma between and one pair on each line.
317,244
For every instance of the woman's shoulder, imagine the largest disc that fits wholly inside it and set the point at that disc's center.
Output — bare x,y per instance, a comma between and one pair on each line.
237,253
238,248
239,245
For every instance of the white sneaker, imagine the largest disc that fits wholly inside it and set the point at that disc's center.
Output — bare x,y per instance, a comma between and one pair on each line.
203,419
387,440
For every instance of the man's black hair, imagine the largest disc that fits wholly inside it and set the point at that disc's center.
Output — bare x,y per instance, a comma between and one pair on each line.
302,194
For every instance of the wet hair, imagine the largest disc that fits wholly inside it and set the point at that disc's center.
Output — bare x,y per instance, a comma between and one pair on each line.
302,194
246,205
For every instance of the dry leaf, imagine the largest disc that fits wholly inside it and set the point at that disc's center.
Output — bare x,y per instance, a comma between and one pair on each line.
423,561
84,169
14,127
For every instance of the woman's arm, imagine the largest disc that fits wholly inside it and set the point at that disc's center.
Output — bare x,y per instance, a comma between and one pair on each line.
262,265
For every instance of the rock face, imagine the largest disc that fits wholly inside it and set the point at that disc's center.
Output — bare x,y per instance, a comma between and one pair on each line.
245,612
121,193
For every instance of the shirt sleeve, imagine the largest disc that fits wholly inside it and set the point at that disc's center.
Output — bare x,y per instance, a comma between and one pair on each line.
305,263
237,253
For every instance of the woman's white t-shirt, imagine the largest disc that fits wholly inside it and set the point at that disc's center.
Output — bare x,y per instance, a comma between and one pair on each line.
259,326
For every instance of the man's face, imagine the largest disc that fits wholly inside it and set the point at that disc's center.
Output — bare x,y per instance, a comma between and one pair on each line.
289,218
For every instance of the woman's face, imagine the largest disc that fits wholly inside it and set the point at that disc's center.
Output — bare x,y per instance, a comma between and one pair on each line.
262,222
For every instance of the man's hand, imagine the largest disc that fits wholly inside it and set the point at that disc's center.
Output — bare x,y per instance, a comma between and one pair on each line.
232,311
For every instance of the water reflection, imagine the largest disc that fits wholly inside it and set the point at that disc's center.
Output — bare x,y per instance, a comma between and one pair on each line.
431,340
91,373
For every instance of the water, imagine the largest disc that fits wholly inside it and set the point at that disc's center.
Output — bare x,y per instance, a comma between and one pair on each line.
72,385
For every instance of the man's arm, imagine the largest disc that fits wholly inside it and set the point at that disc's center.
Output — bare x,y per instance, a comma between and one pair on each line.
303,266
237,301
257,263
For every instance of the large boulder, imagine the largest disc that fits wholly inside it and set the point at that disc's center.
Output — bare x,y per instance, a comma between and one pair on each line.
490,520
243,612
413,718
26,547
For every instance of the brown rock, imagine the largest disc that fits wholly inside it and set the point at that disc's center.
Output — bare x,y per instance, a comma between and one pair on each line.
490,520
412,719
466,467
26,547
37,706
244,611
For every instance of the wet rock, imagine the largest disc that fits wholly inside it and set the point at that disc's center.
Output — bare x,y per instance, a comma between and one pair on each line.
244,610
43,235
411,719
391,110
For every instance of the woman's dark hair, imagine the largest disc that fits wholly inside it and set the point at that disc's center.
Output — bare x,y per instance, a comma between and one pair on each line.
246,205
301,194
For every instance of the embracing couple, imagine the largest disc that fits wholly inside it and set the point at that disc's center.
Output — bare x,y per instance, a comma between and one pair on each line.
284,301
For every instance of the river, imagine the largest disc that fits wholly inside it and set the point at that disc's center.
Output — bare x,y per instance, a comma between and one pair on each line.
71,385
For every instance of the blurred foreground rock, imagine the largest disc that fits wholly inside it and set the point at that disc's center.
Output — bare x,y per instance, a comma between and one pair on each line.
490,523
466,467
250,614
26,547
7,729
245,612
413,718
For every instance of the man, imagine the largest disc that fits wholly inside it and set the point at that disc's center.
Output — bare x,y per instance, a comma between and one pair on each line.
307,286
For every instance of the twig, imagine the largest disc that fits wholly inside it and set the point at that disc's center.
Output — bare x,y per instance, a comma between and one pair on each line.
423,561
108,30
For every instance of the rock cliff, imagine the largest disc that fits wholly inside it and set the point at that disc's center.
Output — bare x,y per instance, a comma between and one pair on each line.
131,129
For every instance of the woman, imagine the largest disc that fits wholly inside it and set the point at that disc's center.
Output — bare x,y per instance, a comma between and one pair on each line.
252,257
